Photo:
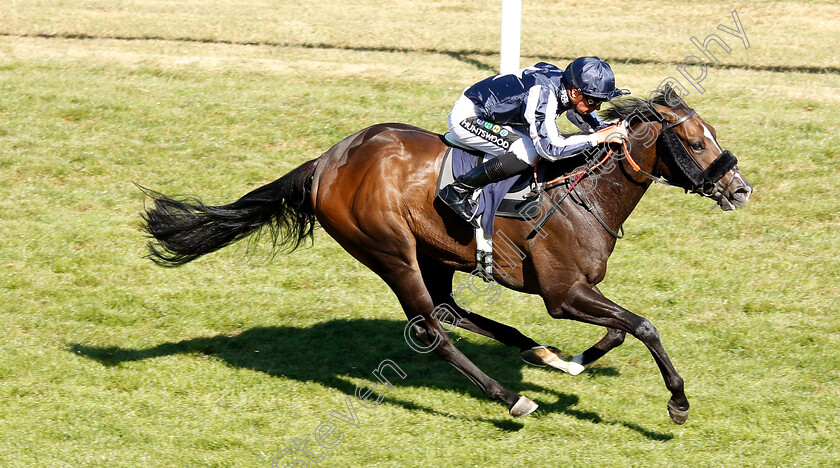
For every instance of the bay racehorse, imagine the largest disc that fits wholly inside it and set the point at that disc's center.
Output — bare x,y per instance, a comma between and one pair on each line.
374,193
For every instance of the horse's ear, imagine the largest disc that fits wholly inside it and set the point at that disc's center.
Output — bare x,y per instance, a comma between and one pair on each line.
672,97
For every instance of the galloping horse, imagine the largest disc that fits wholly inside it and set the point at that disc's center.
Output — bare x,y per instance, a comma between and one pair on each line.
374,193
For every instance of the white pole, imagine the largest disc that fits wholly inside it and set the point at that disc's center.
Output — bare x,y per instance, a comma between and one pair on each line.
511,32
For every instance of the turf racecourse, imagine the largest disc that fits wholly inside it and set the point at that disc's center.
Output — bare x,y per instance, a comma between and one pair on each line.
107,360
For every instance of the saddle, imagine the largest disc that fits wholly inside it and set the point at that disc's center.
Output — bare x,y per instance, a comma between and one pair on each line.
515,197
518,197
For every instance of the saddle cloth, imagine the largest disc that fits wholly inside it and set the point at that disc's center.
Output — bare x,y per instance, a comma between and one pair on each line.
509,198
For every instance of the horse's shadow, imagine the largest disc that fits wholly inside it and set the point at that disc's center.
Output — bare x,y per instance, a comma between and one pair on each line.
333,352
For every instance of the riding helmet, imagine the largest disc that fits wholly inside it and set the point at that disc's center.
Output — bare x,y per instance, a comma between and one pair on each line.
593,77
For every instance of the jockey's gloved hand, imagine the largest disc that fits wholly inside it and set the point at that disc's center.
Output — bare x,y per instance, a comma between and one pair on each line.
613,134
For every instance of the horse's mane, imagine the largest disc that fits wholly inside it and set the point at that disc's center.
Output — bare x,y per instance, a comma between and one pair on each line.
623,109
632,110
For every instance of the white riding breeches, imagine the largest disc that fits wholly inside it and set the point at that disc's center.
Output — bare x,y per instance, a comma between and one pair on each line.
468,127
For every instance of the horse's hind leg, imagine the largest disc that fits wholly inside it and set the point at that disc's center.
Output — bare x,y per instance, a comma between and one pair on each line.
438,281
407,284
395,262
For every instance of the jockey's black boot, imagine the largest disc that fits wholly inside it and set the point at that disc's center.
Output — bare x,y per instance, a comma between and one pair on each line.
458,194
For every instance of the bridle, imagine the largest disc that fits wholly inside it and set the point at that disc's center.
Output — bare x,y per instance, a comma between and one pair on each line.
692,177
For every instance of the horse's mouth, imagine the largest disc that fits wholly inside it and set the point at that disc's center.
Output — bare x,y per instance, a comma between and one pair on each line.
731,200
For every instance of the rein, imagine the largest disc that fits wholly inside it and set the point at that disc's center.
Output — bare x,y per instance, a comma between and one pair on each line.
579,175
697,178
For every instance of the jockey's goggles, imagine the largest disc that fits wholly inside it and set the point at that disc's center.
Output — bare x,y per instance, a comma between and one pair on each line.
591,101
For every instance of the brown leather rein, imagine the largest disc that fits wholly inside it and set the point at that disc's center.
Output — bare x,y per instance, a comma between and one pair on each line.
579,175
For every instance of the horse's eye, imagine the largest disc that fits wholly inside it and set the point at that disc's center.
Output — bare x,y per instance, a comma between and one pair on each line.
698,146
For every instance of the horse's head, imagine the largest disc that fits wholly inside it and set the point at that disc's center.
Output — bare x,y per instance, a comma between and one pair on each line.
694,160
688,154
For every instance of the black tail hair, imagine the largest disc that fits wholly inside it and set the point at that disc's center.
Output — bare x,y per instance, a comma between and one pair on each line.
181,230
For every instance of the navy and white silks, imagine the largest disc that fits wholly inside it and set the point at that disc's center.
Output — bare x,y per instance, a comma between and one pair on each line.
516,113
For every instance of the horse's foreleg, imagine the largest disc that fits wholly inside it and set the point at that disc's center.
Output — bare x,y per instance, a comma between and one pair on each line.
586,304
613,339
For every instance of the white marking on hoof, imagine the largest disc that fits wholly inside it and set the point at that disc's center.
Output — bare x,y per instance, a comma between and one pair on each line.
531,358
576,365
523,407
550,356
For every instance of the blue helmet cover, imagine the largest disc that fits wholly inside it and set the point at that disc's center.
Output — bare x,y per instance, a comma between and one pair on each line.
593,77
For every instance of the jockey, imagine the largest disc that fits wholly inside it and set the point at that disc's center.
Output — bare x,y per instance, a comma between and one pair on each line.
512,117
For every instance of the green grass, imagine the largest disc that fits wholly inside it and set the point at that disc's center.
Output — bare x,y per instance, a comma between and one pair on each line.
108,360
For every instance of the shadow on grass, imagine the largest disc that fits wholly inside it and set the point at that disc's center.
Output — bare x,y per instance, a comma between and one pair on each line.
565,403
332,352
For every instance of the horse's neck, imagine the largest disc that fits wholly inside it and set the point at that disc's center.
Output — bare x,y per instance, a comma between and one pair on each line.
617,189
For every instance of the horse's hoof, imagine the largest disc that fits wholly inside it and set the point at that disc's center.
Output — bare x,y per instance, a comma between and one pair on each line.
523,407
677,415
550,356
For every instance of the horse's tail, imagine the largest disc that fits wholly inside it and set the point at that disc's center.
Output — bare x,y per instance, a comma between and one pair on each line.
181,230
